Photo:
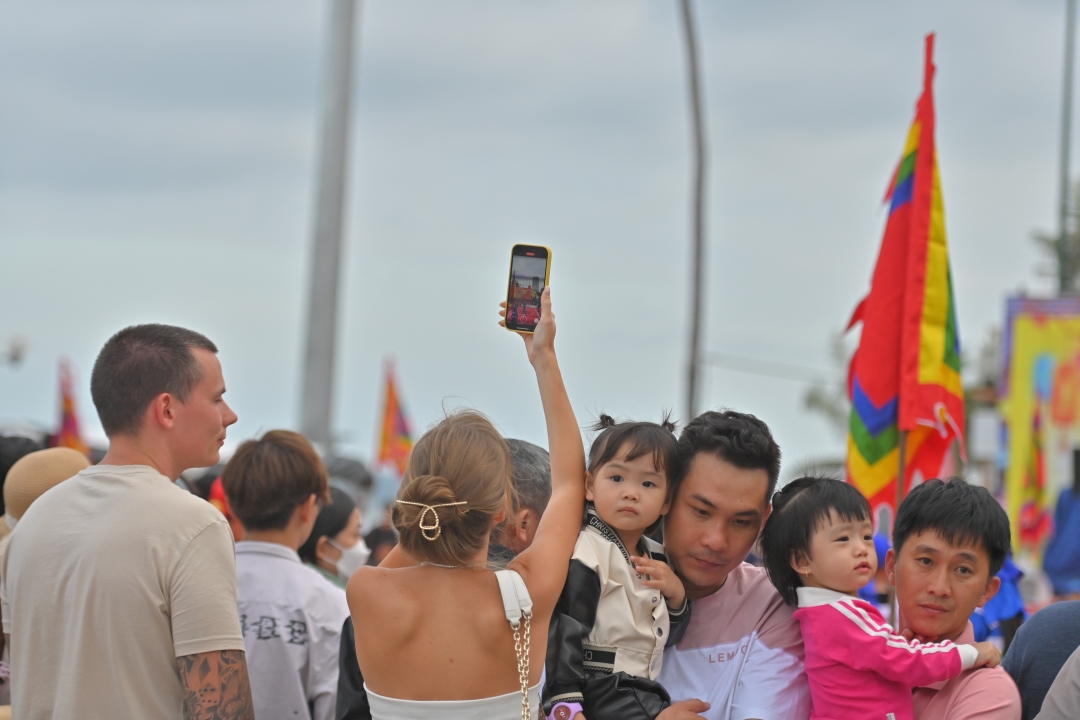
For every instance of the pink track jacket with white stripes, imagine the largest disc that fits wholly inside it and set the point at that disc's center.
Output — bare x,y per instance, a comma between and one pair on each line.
858,668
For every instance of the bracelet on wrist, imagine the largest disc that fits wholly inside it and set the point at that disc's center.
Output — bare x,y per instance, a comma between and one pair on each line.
565,710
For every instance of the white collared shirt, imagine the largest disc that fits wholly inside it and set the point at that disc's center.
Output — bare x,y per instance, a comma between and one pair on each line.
291,617
814,596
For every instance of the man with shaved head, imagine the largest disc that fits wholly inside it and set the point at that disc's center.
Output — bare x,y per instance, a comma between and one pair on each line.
119,588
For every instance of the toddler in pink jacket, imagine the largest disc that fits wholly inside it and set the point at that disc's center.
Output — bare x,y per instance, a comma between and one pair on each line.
818,547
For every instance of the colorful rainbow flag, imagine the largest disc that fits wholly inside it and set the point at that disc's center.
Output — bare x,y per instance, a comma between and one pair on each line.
68,435
396,441
905,375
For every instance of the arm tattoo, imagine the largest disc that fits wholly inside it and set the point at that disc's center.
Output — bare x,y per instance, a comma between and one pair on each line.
216,686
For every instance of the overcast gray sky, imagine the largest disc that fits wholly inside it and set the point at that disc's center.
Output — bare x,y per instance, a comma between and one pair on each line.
157,165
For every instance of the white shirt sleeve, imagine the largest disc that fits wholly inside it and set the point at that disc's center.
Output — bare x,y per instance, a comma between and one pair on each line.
5,609
1063,698
325,648
772,686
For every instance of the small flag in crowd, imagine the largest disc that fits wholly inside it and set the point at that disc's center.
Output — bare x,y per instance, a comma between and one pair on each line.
905,377
396,441
68,435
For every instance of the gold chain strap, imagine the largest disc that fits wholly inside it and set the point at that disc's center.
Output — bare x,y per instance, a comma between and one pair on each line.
523,665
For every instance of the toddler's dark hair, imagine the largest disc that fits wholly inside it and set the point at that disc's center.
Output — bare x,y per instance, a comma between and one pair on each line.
643,438
797,511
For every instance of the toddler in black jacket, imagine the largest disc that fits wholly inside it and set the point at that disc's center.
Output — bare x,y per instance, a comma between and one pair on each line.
622,603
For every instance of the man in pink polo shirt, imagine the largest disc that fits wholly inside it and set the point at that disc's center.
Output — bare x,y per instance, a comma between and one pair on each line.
742,652
949,541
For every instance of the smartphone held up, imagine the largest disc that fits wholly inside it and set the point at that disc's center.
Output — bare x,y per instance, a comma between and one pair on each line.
530,270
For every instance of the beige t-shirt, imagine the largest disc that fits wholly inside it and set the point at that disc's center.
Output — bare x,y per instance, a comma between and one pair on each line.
109,577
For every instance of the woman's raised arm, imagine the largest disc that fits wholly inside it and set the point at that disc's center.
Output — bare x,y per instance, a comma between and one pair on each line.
544,564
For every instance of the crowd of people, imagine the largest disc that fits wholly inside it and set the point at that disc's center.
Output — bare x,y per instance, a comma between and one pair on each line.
516,582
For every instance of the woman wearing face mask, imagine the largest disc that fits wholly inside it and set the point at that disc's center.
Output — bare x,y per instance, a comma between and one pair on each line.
335,548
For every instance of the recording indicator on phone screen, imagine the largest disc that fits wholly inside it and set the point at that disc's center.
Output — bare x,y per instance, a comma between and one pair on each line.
529,266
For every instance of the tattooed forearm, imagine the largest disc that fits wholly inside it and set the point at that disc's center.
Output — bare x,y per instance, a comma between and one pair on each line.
216,686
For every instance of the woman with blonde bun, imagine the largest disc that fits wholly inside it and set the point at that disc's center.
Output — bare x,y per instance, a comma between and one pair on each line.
438,632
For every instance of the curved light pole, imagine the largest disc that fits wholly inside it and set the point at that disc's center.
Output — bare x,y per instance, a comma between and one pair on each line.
697,264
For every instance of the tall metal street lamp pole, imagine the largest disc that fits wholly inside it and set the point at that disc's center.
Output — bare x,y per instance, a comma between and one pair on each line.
697,266
321,330
1065,269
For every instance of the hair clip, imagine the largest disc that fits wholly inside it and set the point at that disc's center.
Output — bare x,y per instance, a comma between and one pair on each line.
425,529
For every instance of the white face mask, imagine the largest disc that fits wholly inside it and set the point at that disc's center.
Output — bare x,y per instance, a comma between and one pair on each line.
352,559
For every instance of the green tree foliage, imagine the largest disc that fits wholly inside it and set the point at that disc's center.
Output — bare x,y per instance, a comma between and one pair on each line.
831,401
1063,254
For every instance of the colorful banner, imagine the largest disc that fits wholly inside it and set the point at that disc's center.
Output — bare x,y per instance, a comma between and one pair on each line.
68,435
395,443
905,375
1040,404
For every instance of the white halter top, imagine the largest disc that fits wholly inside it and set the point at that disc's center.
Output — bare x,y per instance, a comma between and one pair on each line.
516,600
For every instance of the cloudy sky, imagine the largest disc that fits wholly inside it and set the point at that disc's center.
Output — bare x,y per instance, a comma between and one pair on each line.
157,165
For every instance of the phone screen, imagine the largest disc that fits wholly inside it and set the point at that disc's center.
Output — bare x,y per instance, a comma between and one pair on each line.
529,265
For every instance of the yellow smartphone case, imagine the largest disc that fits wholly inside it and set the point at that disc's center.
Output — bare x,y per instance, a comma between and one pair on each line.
510,281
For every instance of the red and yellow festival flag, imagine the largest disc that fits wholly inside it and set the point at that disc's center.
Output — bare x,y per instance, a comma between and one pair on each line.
905,375
396,441
68,435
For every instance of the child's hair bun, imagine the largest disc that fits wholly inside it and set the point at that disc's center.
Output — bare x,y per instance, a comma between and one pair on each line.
668,424
605,422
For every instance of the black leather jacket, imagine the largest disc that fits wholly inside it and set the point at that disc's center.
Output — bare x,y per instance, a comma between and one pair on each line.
586,656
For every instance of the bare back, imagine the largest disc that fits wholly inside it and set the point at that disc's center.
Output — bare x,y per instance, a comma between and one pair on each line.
429,633
432,633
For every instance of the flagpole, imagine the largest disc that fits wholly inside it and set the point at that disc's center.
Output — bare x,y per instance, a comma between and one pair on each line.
901,471
900,474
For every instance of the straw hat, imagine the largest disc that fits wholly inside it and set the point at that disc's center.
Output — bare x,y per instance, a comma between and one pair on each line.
35,473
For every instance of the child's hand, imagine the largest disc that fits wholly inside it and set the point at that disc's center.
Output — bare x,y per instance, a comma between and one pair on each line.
663,578
989,655
542,339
